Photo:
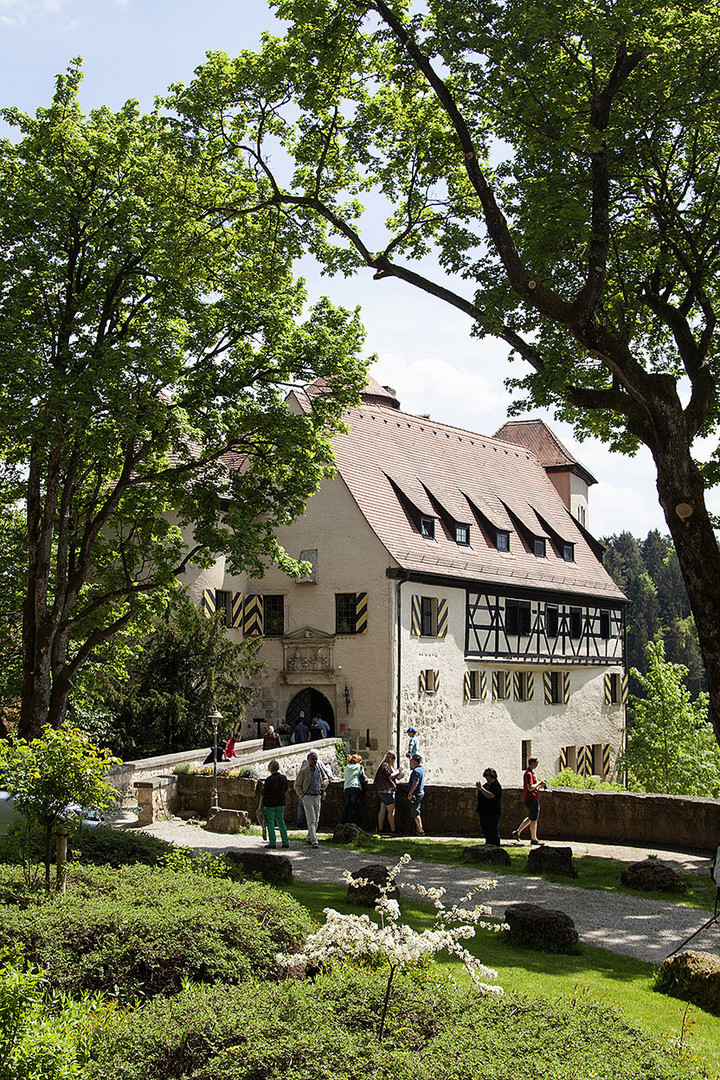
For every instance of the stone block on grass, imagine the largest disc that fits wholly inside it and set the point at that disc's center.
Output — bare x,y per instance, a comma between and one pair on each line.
349,834
275,869
544,929
693,975
376,875
551,860
486,854
652,875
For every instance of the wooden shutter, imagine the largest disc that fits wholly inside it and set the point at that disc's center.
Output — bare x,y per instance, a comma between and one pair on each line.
624,688
584,760
467,691
608,689
207,605
436,681
563,757
361,618
530,686
606,759
565,687
421,682
496,684
415,616
483,685
547,687
236,609
517,685
442,618
253,616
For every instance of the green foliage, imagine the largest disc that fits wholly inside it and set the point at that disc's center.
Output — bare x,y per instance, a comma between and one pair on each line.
150,329
139,931
187,666
34,1045
569,778
670,743
649,574
104,846
435,1028
46,775
183,861
341,752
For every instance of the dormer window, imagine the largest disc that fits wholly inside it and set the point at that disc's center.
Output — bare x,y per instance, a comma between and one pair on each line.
568,552
539,547
502,540
427,528
462,535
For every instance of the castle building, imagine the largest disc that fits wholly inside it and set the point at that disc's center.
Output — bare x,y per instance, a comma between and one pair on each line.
453,586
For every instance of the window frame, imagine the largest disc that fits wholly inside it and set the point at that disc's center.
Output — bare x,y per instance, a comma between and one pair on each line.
568,551
428,616
350,598
521,618
552,612
540,547
505,535
269,601
462,530
427,527
575,623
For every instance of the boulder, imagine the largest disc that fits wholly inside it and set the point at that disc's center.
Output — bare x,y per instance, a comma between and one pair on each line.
275,869
551,860
228,821
486,854
540,928
349,834
377,876
694,975
652,875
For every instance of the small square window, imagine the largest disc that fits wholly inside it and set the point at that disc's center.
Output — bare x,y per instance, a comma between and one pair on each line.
526,752
568,552
551,620
462,534
605,625
502,540
273,616
222,604
518,616
427,528
539,547
474,685
556,688
575,622
616,689
428,616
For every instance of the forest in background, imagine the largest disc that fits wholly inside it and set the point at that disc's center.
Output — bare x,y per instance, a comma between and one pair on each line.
649,574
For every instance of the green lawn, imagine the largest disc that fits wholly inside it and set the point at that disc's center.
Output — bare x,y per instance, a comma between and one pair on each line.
615,980
593,872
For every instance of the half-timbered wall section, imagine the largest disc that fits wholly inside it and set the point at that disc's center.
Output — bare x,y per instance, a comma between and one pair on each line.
542,628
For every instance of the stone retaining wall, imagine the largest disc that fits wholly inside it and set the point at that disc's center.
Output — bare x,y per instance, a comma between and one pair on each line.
662,821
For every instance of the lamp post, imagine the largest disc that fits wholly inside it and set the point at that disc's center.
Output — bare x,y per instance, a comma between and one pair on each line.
215,718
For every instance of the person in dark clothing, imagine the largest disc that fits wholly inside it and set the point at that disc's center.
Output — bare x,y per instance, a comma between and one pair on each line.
302,732
219,755
274,794
323,725
316,731
489,807
271,739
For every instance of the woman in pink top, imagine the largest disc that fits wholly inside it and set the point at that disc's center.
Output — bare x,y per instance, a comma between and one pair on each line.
531,798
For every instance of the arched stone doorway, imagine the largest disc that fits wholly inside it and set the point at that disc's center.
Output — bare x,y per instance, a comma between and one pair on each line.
310,702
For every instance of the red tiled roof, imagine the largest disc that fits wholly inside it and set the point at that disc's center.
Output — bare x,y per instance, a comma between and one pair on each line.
388,457
535,435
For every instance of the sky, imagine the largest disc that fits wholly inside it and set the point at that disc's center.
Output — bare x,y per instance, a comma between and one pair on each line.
135,49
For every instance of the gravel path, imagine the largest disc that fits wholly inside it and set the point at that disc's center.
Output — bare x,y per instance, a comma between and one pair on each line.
645,929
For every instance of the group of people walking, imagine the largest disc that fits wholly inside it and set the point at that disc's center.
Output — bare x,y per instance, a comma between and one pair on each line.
313,778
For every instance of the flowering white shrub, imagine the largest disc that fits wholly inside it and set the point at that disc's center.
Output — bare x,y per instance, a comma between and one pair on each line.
353,938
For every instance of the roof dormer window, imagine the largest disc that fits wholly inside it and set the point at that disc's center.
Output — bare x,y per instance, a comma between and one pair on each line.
502,540
462,535
539,547
427,528
568,552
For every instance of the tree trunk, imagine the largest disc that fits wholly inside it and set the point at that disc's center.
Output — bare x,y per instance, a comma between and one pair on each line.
679,482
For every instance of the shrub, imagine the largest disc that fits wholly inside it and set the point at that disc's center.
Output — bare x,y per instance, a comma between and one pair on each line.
182,769
435,1029
105,846
144,931
569,778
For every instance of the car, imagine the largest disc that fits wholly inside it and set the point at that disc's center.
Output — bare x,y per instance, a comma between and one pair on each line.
9,815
